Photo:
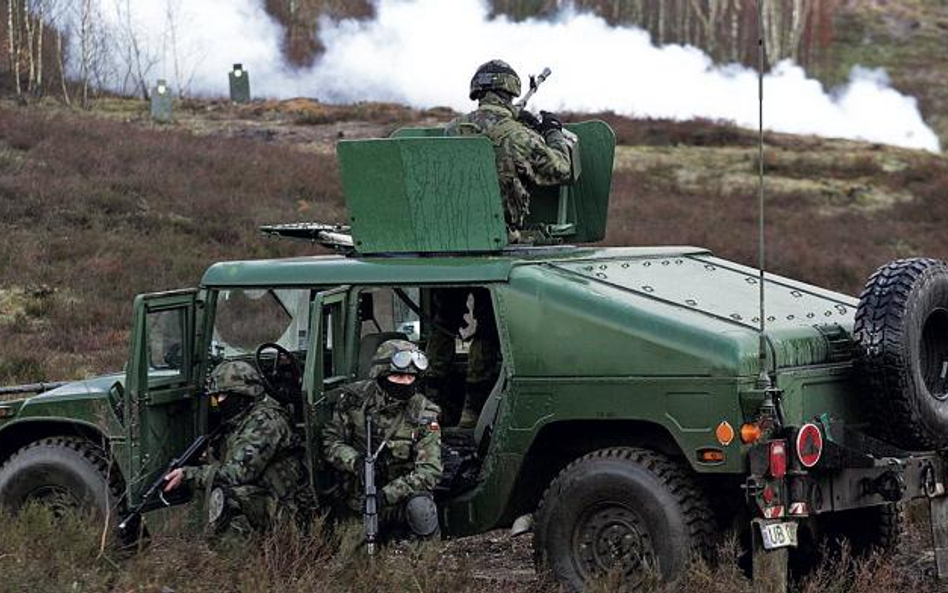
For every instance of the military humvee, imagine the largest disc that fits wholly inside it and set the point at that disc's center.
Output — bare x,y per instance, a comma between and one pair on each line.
633,416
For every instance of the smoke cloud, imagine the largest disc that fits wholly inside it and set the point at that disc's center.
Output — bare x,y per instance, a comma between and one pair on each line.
423,52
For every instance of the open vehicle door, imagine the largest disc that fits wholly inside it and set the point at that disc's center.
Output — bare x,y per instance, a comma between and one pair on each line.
327,367
162,403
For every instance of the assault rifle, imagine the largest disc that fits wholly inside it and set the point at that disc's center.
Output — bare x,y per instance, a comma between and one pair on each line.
371,494
535,82
190,455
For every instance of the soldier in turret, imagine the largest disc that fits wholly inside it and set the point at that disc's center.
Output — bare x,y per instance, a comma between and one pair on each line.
260,478
529,151
406,433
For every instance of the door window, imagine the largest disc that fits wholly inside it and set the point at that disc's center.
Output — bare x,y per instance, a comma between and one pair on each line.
166,342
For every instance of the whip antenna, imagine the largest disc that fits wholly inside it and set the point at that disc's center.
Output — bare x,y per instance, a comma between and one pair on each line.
762,340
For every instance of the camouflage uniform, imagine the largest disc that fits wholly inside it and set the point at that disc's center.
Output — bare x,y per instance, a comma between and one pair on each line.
410,462
261,470
524,158
483,359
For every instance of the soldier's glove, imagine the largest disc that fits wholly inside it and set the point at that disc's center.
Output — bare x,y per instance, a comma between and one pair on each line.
528,119
550,122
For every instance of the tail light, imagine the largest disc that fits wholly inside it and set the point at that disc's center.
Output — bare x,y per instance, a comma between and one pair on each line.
750,433
778,459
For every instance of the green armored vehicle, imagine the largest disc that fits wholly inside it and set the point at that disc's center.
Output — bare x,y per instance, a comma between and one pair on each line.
637,411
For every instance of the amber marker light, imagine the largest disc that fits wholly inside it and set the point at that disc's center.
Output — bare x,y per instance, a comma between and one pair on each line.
724,433
750,433
711,456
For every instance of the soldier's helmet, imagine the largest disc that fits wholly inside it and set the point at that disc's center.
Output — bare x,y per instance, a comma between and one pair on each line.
236,377
398,357
497,76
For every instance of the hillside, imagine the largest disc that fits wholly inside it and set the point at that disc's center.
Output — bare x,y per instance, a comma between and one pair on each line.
98,206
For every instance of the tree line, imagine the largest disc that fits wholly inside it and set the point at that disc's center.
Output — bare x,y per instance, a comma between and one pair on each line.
66,48
726,29
76,48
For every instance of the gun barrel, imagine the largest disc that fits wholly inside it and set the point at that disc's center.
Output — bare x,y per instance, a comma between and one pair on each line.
31,388
535,82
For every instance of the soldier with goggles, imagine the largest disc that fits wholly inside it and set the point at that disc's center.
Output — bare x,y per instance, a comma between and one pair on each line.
406,440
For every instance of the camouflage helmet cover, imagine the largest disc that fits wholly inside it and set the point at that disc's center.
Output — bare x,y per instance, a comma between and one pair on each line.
495,75
236,377
382,364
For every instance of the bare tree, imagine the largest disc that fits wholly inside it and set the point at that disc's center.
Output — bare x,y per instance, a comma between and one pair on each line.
138,57
13,28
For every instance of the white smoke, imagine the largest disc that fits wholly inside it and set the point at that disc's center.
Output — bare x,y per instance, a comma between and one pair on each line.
423,52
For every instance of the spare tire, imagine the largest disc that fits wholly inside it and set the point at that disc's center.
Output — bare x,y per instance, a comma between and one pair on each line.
902,329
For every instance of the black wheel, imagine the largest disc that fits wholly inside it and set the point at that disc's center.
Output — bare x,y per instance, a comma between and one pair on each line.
621,509
870,529
65,473
867,530
902,330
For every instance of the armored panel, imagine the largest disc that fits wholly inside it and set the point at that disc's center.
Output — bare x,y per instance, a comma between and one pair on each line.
422,194
575,212
586,202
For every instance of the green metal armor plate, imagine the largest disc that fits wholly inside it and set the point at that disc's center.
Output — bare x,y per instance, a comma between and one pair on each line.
422,195
587,199
579,209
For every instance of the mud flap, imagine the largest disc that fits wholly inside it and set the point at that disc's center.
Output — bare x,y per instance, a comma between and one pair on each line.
769,566
939,513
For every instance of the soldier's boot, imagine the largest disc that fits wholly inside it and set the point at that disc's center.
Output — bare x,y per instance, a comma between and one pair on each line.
474,400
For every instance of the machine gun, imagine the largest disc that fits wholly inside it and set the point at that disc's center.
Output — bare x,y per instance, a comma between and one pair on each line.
535,82
190,455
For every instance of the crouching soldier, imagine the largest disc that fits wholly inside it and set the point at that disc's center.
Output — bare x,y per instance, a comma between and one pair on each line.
405,436
260,478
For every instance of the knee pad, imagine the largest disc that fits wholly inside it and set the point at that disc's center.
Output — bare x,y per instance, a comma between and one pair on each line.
421,515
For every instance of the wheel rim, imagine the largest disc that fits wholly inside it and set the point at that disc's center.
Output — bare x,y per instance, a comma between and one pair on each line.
612,538
934,354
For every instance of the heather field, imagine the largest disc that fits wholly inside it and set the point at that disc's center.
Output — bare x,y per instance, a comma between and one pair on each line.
98,206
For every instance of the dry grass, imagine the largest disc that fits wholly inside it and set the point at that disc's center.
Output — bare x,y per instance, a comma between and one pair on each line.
94,211
41,553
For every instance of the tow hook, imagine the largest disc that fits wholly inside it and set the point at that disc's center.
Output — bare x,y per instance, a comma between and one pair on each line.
890,486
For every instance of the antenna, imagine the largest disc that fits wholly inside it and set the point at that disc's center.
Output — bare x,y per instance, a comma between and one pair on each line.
764,379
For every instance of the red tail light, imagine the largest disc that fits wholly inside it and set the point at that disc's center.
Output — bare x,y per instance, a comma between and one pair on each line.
778,459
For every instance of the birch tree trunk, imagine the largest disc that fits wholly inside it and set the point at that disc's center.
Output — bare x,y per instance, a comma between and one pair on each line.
62,66
13,29
28,30
735,30
798,22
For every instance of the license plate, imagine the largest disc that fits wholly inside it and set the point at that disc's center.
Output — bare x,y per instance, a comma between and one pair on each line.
779,535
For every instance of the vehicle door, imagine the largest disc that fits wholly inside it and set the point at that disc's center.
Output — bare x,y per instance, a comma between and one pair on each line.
162,410
327,367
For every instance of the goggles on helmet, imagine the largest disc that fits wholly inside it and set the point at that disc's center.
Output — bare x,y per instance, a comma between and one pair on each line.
404,359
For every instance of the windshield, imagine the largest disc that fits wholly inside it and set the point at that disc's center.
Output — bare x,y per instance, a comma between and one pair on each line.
247,318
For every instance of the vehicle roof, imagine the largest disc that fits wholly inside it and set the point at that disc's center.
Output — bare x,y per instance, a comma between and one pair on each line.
326,270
